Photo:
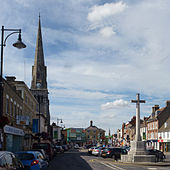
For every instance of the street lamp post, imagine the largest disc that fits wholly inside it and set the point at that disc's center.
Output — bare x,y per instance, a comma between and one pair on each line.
19,44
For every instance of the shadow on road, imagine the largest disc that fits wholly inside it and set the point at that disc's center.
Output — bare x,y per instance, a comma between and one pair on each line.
71,160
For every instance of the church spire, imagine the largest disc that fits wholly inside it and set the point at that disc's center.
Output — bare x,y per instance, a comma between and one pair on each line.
39,69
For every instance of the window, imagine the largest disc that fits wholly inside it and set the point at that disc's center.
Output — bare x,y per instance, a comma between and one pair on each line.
156,125
11,108
7,106
165,125
163,134
167,134
15,110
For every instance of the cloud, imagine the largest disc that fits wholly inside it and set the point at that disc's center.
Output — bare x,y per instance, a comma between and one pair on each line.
114,104
107,32
100,12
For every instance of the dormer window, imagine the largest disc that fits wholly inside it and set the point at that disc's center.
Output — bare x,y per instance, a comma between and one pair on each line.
165,125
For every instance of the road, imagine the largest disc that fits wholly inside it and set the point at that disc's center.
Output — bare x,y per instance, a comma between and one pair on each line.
80,160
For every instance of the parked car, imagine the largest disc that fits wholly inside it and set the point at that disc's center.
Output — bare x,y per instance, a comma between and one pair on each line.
96,151
101,150
9,161
114,153
32,160
91,149
48,148
65,147
59,149
76,146
88,146
45,155
159,155
126,147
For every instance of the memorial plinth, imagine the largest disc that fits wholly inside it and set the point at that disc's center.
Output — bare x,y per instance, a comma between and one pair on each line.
138,151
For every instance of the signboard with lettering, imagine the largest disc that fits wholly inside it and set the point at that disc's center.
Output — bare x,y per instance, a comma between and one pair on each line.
13,130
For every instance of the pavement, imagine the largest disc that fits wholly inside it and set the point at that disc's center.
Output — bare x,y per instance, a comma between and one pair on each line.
166,162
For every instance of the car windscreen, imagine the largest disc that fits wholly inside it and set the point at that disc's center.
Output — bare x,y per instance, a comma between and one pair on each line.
25,156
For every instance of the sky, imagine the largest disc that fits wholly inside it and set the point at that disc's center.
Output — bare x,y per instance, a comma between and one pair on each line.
98,53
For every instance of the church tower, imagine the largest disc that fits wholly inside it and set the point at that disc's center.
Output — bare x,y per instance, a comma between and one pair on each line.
39,79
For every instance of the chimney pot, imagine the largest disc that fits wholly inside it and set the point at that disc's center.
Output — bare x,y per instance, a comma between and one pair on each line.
91,123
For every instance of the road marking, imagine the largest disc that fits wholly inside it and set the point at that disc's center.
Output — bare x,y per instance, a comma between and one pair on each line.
152,168
91,160
111,166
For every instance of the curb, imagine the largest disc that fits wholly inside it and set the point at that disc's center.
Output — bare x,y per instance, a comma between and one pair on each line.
144,163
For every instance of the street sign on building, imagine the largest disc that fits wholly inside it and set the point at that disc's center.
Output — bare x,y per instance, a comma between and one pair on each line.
22,120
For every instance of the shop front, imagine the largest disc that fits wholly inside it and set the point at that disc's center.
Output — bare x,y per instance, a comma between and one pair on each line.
13,138
164,145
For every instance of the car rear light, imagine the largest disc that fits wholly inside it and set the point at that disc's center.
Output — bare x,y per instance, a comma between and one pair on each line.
108,152
35,162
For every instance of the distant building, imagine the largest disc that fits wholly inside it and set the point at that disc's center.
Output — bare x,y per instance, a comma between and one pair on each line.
94,134
76,136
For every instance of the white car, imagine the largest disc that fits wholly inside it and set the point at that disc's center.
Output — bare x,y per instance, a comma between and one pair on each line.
96,151
76,146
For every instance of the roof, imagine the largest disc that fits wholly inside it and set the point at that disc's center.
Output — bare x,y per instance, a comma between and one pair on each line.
4,152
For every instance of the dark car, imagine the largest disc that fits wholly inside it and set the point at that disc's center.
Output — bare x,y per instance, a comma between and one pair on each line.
159,155
114,153
65,147
9,161
48,148
59,149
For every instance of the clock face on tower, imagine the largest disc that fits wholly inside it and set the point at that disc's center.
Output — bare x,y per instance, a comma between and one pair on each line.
38,85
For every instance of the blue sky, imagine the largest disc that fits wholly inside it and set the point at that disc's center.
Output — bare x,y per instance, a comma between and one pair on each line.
99,54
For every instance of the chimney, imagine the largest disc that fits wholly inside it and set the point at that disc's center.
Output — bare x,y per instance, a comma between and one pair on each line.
154,109
91,123
168,103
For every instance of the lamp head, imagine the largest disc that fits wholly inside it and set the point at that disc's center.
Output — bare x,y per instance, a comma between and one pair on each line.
19,44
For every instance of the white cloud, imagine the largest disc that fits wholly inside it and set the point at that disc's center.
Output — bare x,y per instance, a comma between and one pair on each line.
100,12
107,32
114,104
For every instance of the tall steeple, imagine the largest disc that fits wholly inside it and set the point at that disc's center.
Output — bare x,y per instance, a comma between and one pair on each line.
39,69
39,79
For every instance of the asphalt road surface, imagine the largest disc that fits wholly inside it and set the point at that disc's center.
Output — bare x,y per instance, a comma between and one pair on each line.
81,160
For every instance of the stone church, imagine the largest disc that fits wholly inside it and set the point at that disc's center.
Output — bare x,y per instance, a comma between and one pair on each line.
39,83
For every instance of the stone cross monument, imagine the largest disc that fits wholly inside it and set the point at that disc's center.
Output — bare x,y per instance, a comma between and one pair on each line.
138,152
138,101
